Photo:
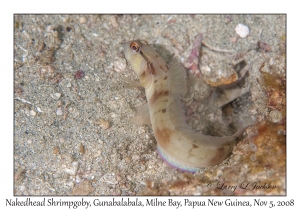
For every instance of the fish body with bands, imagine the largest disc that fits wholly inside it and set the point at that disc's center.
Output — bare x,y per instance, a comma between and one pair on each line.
177,143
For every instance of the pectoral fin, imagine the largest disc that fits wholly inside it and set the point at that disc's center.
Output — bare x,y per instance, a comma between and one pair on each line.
143,116
130,84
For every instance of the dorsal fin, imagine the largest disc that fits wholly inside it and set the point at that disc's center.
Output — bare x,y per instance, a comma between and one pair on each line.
178,120
177,80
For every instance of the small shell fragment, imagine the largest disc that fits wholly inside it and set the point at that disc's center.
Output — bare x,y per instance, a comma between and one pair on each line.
56,96
56,150
129,178
41,46
103,124
50,28
275,116
135,157
113,21
119,178
252,147
59,111
84,188
218,77
32,113
81,149
79,74
119,64
59,103
69,85
242,30
82,20
72,171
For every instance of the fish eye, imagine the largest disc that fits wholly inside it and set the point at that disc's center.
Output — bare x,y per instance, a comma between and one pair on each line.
135,47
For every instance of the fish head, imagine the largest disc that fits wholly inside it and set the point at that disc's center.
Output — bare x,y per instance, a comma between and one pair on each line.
134,56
